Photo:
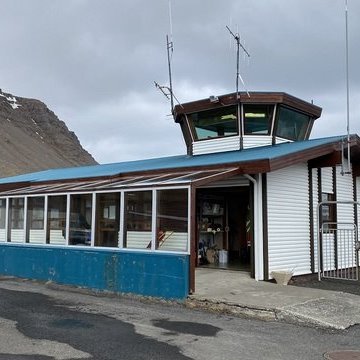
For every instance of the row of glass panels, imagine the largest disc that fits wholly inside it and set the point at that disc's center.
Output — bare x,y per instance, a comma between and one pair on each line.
257,119
144,219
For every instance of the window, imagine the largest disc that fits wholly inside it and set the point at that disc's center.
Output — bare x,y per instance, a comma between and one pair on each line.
2,219
16,215
56,220
107,219
80,219
258,119
2,213
138,219
172,220
291,124
35,220
16,219
328,211
36,212
215,123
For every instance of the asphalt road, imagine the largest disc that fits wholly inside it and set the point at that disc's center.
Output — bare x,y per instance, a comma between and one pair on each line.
40,322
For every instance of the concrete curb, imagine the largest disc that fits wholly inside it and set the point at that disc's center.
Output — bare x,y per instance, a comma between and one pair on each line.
259,313
216,306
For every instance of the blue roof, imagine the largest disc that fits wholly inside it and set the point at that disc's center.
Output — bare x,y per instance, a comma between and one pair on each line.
173,162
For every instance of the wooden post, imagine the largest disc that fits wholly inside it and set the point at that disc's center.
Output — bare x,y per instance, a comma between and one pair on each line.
193,239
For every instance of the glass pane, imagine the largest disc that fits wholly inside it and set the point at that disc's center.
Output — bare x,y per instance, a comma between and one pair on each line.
80,219
107,219
138,218
2,213
172,220
16,219
215,123
56,220
35,220
2,219
328,211
291,124
258,119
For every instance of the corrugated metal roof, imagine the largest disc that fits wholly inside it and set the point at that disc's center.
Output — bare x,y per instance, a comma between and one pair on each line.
173,162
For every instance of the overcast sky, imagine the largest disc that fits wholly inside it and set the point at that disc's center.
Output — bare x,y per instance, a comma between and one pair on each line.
94,62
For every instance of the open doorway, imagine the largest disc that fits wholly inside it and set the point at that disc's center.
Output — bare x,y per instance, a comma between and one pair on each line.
225,231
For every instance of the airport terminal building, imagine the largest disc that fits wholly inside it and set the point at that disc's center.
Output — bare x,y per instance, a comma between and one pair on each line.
244,197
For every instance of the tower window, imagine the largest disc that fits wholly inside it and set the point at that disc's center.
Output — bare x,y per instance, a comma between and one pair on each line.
291,124
258,119
214,123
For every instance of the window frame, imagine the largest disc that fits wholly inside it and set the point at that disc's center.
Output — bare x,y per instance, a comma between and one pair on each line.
193,127
271,118
276,123
121,219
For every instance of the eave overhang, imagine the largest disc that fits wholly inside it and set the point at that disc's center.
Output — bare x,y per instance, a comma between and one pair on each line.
328,154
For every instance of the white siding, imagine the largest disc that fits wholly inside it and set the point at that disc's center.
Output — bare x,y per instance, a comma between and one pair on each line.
315,184
344,192
37,236
216,145
17,235
327,180
2,235
250,141
345,214
57,237
288,220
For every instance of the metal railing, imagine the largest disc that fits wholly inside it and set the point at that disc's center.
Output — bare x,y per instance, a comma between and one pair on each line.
338,247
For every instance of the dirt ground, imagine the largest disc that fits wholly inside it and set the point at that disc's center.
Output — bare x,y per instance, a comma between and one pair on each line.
346,286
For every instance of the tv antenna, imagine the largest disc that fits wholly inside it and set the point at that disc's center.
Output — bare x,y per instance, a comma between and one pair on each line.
168,90
238,76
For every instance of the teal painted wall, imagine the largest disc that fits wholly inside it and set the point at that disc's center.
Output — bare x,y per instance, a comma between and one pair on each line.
144,273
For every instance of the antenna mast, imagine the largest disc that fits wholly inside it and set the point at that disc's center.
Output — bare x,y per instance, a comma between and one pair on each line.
168,90
238,46
348,167
170,47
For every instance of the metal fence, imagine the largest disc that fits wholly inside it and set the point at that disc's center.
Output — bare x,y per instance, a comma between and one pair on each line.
338,247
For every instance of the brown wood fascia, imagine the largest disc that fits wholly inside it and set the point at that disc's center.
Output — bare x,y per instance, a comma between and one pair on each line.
328,160
302,156
13,186
255,98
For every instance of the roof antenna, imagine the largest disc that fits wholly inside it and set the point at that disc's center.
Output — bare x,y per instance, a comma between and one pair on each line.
238,76
346,163
168,90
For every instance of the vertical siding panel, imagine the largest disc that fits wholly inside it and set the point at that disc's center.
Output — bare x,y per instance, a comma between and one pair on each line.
288,220
327,180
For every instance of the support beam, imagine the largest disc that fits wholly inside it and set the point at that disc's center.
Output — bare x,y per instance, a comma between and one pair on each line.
329,160
356,170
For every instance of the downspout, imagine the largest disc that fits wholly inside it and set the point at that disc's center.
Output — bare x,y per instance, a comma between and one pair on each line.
258,229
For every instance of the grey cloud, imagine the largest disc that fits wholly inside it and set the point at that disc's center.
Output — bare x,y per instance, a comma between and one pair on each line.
86,58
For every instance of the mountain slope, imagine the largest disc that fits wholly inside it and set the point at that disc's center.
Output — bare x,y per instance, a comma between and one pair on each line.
32,138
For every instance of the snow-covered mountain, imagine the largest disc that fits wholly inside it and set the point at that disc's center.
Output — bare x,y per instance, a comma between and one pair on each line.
32,138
